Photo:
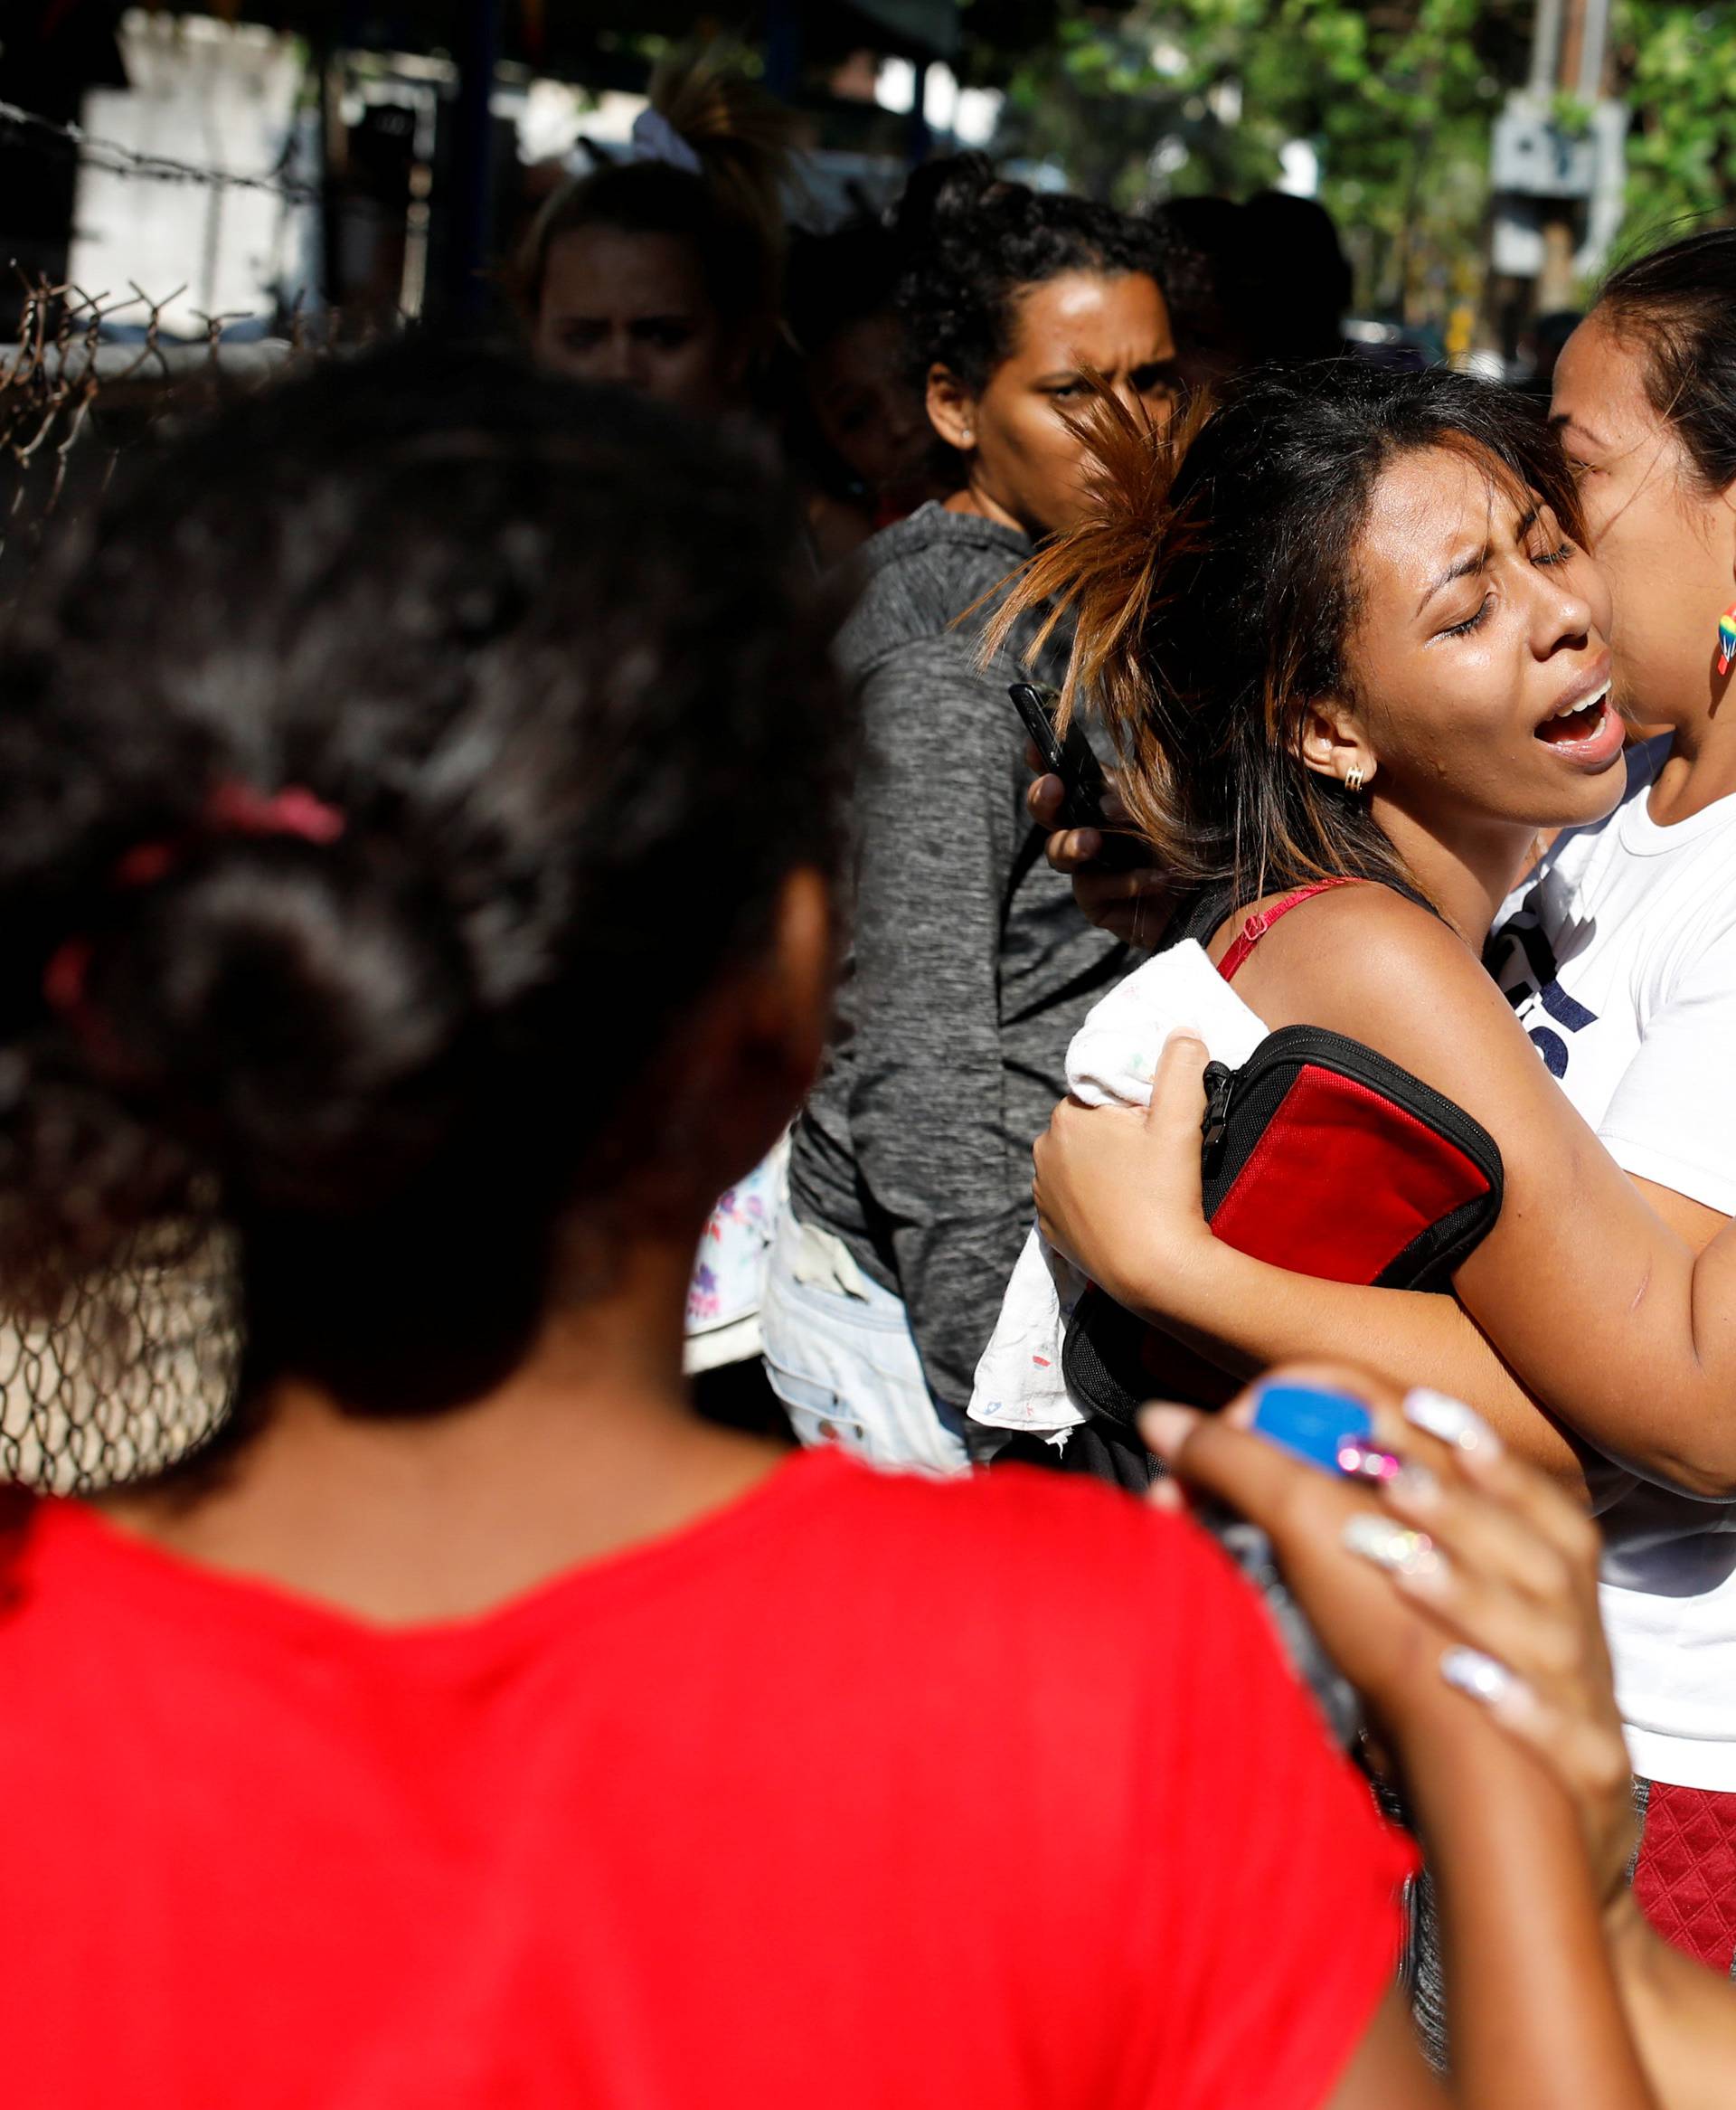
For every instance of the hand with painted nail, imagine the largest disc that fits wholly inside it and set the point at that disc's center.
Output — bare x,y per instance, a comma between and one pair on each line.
1336,1538
1438,1564
1511,1584
1118,1188
1134,905
1369,1501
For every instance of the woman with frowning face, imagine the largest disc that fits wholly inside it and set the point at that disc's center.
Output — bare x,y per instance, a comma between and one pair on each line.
631,308
660,273
1015,423
969,969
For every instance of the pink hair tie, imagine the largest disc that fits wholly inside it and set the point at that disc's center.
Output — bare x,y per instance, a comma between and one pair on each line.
234,808
231,809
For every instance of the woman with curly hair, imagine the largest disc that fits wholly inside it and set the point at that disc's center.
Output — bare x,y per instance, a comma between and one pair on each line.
971,966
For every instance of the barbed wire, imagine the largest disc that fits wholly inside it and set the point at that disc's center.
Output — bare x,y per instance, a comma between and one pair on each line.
115,159
63,353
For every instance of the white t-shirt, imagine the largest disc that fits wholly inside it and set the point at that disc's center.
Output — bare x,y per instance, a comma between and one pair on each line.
1619,957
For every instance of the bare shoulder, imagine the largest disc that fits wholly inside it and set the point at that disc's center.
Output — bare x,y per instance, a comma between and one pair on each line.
1364,961
1342,944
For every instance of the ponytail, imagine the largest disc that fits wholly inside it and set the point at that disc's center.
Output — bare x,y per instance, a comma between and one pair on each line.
712,156
742,135
1113,572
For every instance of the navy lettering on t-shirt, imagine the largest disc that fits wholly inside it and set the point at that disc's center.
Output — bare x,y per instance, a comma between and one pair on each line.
1520,948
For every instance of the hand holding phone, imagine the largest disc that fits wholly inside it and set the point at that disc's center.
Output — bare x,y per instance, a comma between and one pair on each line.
1080,773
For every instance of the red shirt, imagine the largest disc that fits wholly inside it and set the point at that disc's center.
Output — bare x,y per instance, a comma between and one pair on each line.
861,1791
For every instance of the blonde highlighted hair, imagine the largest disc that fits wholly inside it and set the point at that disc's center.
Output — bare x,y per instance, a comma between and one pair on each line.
730,212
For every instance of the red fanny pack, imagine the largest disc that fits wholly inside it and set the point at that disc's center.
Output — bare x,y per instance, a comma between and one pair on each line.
1323,1158
1326,1159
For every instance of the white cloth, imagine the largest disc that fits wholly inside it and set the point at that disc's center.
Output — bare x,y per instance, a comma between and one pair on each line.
729,1278
655,138
1020,1385
1619,957
841,1356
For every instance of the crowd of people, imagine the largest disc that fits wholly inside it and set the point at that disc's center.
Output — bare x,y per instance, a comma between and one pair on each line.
465,811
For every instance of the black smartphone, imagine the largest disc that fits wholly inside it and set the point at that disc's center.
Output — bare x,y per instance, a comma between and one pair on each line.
1072,760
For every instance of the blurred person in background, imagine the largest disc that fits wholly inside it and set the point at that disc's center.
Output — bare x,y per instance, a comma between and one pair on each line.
969,967
663,273
1542,346
472,1723
1208,284
1263,283
855,422
1300,279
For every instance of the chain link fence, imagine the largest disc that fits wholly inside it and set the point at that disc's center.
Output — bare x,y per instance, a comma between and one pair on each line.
136,1364
133,1369
87,377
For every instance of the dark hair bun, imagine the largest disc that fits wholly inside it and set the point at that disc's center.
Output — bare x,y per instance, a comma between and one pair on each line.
552,655
304,1005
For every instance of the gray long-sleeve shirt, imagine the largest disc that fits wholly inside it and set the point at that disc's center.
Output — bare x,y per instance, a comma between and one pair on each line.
970,967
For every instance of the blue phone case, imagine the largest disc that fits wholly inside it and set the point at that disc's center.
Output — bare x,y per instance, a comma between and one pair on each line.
1311,1422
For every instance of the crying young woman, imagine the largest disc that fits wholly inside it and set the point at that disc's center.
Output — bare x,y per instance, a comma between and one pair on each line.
1347,629
1602,1307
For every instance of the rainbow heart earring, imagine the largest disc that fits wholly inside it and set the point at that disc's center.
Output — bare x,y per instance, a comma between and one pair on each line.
1727,638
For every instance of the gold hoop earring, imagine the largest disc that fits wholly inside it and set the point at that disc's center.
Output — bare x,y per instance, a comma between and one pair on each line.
1354,778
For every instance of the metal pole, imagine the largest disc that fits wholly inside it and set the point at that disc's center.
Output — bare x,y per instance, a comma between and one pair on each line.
470,203
1594,36
332,156
1545,47
784,49
917,148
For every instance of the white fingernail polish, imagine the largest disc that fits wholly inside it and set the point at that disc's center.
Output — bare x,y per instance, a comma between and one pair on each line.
1469,1671
1389,1545
1415,1483
1449,1419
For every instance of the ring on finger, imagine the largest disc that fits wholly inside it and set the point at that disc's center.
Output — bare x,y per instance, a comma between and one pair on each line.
1394,1547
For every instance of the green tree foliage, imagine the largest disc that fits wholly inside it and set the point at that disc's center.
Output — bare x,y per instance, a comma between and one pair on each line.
1165,96
1678,67
1397,97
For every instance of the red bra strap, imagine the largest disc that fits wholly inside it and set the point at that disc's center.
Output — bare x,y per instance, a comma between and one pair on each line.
1257,927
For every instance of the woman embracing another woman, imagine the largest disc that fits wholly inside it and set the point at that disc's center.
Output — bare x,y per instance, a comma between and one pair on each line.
1360,635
